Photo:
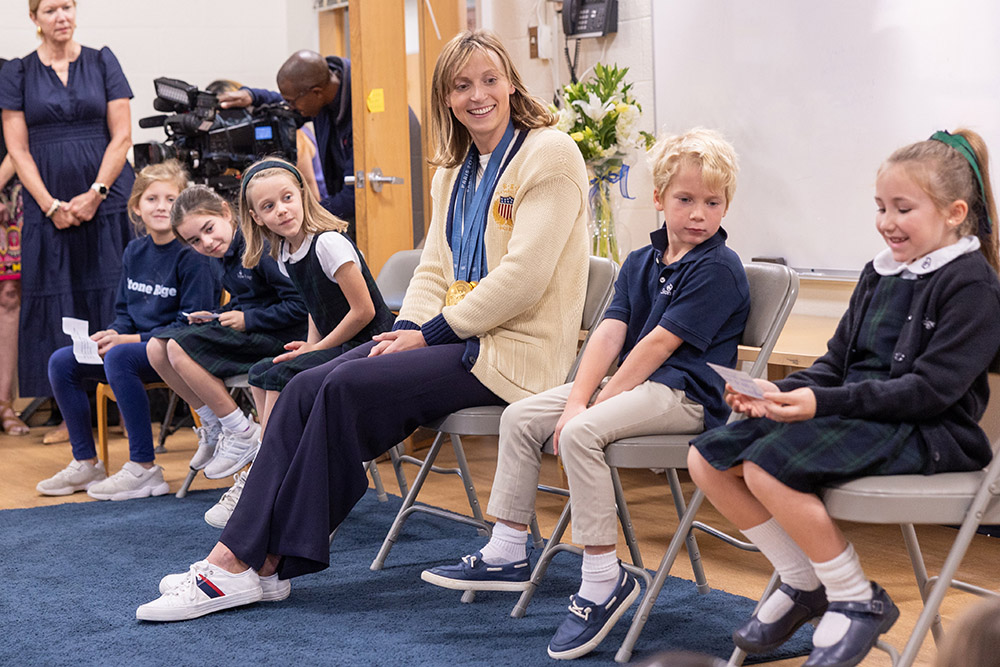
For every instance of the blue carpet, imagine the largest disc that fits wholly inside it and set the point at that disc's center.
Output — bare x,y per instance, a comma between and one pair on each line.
75,574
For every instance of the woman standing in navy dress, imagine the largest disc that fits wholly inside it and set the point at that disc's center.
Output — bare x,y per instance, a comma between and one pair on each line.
67,124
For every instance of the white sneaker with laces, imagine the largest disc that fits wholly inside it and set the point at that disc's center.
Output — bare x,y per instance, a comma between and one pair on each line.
77,476
234,451
132,481
208,438
219,513
272,588
204,589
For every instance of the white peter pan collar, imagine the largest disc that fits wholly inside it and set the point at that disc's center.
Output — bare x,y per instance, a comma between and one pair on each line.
885,265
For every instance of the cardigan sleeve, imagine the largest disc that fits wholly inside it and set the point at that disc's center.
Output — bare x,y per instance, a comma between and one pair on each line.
963,343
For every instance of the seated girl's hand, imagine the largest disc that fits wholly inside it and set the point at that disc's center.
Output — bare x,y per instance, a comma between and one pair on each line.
200,317
105,340
233,319
748,405
397,341
791,406
295,348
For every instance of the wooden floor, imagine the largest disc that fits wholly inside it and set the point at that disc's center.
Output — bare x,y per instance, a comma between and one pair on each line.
25,460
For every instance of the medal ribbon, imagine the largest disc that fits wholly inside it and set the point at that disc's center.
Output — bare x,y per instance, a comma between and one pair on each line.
468,229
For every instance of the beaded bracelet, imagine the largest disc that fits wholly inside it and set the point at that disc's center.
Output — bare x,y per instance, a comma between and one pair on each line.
52,209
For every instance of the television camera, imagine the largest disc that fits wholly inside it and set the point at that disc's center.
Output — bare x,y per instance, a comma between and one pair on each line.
214,144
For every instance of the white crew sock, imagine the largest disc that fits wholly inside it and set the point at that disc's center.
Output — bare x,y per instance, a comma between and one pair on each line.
845,581
208,418
789,560
506,545
600,576
235,421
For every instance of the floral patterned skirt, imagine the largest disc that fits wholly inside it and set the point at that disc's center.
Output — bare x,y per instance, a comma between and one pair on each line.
11,217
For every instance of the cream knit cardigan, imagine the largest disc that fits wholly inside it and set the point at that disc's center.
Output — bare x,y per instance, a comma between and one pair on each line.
526,311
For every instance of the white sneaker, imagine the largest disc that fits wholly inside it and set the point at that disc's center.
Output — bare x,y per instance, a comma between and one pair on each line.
77,476
234,451
132,481
204,589
272,588
208,437
219,513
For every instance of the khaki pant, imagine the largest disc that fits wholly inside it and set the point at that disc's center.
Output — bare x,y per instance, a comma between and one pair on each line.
649,408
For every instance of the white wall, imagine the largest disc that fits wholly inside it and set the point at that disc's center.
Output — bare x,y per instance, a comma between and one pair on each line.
631,47
193,40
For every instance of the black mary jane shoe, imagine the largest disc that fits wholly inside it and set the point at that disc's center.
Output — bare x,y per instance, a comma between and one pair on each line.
755,636
868,620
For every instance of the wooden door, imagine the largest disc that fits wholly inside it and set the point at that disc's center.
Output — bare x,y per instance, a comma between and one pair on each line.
381,129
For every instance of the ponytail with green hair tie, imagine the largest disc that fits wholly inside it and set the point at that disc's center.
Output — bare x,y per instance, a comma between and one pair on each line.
962,145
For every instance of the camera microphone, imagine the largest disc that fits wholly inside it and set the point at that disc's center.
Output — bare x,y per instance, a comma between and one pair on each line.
153,121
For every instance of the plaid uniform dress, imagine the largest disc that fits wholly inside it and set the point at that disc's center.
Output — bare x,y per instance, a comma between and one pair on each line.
809,454
328,306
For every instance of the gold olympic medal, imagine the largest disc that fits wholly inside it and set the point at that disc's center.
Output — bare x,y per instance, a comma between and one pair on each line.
458,291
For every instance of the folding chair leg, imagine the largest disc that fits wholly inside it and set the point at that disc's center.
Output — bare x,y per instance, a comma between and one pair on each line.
372,468
543,564
653,591
183,491
920,572
397,467
404,511
537,541
739,655
470,488
933,602
168,419
694,554
626,519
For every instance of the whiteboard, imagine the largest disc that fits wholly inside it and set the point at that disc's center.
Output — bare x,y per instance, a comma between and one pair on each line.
814,96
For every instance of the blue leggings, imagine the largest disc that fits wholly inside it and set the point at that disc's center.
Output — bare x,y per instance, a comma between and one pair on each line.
126,369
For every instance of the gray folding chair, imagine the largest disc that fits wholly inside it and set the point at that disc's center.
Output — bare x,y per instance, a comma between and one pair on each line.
966,498
773,289
486,421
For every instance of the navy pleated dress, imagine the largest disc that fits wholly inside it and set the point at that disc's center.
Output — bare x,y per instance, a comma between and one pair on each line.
71,272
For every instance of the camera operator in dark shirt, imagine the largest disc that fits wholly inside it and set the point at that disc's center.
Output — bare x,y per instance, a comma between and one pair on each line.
320,88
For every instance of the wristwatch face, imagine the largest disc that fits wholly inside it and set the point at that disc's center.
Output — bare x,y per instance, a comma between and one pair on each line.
100,188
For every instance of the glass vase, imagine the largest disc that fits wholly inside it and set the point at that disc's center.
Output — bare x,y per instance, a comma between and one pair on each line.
604,235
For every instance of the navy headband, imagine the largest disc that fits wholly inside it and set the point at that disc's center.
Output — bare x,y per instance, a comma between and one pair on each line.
961,144
267,164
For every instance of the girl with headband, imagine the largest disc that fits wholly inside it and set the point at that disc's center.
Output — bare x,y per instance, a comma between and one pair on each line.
264,312
492,315
278,210
900,390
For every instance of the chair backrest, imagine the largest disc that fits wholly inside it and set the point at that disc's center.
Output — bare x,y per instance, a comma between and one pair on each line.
395,276
600,288
773,290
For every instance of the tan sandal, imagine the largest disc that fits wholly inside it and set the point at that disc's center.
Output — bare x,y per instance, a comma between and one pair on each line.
57,436
10,423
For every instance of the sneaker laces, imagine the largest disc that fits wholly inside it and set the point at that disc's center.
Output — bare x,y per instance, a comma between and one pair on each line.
232,496
230,447
205,438
188,589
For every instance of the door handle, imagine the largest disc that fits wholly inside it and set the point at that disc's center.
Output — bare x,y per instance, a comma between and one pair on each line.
377,180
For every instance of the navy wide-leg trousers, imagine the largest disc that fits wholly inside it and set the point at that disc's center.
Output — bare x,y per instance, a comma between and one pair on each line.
326,423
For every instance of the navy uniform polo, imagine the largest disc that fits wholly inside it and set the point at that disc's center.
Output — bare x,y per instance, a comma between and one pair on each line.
703,298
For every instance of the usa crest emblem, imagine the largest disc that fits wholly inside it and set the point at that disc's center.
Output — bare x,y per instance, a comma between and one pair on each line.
503,207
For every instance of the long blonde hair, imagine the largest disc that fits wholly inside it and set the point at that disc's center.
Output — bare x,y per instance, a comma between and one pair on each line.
946,176
168,171
315,218
452,139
